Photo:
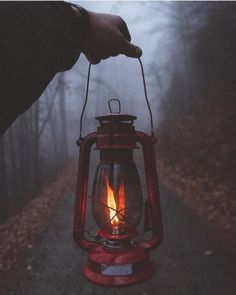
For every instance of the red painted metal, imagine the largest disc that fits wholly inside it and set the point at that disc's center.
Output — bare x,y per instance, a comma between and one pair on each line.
82,190
115,133
116,138
148,143
127,266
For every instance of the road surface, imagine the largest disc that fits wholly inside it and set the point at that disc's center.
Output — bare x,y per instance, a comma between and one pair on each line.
189,261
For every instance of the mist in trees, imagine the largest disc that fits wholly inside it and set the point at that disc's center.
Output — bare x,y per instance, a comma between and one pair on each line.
189,62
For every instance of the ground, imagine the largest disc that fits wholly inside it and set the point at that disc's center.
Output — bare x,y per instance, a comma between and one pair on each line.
189,261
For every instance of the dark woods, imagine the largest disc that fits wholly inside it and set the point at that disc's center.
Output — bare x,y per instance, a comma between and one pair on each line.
199,106
194,77
34,148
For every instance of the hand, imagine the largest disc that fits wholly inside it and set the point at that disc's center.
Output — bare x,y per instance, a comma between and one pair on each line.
108,36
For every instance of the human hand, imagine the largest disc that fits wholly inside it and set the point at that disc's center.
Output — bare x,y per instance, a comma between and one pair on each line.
108,36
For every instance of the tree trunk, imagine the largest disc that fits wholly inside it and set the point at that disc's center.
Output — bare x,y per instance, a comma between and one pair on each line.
3,182
62,114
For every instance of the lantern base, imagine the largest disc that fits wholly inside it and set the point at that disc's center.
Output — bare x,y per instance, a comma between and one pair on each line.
118,267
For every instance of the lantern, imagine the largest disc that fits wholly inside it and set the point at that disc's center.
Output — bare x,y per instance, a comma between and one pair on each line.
115,256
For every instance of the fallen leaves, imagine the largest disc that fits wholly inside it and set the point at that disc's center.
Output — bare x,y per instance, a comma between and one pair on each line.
208,252
196,160
20,231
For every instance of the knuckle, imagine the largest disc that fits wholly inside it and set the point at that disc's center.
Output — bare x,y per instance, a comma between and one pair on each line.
120,21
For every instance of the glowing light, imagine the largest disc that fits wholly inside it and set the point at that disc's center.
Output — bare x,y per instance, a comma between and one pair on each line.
111,203
121,198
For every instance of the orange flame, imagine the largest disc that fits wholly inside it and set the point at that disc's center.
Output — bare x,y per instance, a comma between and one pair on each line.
121,198
111,203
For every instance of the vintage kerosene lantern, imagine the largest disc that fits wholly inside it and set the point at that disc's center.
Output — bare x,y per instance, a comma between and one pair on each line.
116,257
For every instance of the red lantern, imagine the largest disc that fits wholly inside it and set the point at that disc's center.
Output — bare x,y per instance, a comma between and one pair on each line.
116,257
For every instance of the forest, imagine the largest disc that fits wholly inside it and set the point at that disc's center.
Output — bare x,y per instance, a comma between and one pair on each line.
190,68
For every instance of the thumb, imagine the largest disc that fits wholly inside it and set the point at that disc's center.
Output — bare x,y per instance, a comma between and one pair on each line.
131,50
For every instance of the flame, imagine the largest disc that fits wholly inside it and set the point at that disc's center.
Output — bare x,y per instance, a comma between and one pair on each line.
121,198
111,203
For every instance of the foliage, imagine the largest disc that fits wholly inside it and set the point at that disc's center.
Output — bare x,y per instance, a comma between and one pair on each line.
197,132
212,59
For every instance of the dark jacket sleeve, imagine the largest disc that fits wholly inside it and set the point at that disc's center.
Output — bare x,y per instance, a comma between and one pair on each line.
37,40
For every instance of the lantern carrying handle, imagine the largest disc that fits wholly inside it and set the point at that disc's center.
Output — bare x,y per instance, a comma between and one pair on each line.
145,94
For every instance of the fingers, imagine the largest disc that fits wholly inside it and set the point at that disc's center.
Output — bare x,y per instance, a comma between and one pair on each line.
112,38
131,50
128,48
93,59
124,30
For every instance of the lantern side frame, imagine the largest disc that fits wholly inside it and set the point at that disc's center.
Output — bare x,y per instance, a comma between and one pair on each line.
147,142
85,145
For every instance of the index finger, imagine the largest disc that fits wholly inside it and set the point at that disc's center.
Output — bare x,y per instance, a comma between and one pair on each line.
124,30
130,49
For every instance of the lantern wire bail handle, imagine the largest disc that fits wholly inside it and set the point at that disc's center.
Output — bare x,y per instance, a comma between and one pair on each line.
146,97
115,99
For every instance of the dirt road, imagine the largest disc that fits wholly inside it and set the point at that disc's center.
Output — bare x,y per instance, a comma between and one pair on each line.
189,260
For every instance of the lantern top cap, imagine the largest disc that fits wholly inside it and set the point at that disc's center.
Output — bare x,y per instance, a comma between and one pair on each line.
116,117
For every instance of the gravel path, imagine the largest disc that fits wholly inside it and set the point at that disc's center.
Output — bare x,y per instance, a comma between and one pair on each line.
189,261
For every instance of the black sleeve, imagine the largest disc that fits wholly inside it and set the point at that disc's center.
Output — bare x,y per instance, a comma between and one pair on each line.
37,40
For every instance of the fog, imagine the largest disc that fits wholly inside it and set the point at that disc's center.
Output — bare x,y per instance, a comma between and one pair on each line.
120,77
182,59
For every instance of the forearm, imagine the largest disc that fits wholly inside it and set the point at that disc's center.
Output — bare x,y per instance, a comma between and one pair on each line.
37,39
42,32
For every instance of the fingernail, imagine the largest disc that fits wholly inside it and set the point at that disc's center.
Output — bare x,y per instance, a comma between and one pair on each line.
139,52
